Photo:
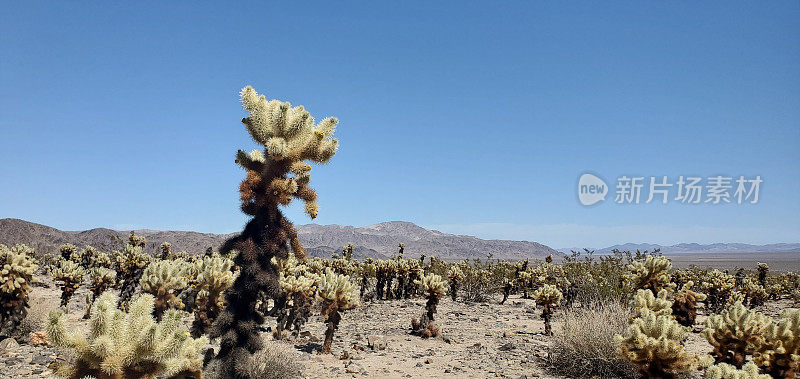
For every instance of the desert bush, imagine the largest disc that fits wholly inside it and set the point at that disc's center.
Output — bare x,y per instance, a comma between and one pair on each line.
16,273
128,345
69,276
337,295
477,285
274,361
585,346
434,288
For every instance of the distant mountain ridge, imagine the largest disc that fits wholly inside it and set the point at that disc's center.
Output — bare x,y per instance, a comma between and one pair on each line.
694,248
376,241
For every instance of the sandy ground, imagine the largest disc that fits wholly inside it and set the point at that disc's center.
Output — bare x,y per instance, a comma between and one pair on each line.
478,340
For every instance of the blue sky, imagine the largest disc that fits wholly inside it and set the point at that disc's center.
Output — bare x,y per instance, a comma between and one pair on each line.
471,118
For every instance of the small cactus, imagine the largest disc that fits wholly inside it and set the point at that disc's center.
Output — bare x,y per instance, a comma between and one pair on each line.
726,371
549,297
434,288
685,306
456,275
337,295
128,345
655,344
69,276
735,333
162,279
215,274
102,279
778,353
16,273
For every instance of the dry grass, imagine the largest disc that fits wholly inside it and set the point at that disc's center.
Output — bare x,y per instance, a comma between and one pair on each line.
276,361
585,346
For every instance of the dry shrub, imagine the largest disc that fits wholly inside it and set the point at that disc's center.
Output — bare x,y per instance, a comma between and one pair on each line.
35,320
585,346
275,361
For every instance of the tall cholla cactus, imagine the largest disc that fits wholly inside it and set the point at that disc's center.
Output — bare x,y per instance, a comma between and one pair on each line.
549,297
735,333
69,276
726,371
129,345
779,351
101,280
456,276
162,279
215,275
275,176
651,274
130,265
337,295
654,343
90,258
685,306
367,270
16,273
434,288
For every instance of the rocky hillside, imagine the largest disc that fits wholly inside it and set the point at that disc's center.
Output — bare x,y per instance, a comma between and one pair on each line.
377,241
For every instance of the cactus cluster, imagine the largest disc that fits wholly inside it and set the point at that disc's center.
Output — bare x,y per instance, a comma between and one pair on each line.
684,307
735,333
128,345
652,273
17,267
779,351
130,264
101,279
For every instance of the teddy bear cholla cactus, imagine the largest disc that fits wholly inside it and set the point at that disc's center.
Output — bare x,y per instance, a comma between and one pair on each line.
337,295
215,274
69,276
718,286
660,305
16,274
162,279
651,274
275,176
549,297
456,275
778,353
101,280
434,288
684,307
130,264
654,343
128,345
735,333
726,371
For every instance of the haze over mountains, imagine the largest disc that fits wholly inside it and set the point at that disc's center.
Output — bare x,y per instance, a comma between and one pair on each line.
376,241
695,248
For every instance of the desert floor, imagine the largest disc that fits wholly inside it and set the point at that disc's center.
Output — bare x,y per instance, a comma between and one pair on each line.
478,340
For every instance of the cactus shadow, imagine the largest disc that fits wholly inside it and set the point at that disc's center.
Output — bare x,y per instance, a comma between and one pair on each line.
310,347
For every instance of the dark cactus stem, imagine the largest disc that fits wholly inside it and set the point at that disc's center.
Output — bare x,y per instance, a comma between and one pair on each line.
264,237
453,289
506,292
547,314
381,282
363,285
332,319
401,286
129,286
388,290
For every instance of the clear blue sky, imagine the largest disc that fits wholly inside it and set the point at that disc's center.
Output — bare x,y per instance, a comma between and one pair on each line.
471,118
